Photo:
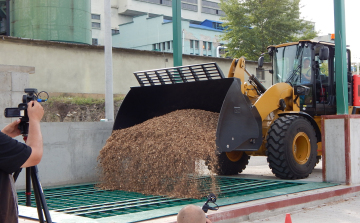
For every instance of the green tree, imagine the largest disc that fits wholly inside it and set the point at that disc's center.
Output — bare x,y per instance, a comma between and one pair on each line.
252,25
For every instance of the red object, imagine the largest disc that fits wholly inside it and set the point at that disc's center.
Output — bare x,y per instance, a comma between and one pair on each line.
356,90
288,218
322,94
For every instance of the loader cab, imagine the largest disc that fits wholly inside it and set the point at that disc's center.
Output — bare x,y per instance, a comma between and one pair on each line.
310,64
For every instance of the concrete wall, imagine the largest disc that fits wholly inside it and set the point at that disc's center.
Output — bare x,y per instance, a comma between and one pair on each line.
70,152
355,150
341,156
75,68
13,79
335,151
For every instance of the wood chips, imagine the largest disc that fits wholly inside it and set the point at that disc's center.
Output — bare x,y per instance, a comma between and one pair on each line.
159,156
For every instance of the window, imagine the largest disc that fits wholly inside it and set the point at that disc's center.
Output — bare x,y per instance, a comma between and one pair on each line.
191,44
94,41
168,45
211,8
216,25
161,2
115,32
163,46
95,16
197,44
96,25
189,7
154,46
204,45
209,46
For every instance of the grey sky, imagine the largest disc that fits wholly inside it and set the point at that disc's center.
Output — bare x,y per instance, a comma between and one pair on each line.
322,13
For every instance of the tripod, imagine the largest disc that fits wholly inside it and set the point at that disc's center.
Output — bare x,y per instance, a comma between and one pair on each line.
32,177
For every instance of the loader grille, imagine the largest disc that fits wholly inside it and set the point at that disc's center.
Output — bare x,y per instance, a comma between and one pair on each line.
182,74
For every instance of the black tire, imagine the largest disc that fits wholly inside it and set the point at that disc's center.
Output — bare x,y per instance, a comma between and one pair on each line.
231,163
291,147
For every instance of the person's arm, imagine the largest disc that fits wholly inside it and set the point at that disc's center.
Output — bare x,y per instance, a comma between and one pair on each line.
307,75
12,129
35,112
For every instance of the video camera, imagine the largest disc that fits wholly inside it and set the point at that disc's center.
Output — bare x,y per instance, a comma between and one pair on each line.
211,198
21,111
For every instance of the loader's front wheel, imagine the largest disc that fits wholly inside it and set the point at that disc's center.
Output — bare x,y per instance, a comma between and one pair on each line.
291,147
231,163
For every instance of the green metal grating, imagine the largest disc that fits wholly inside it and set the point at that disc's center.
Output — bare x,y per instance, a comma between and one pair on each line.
90,202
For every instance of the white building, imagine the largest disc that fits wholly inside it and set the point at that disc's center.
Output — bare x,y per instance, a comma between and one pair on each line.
123,11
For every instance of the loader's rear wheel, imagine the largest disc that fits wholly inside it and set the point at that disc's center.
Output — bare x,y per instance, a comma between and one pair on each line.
231,163
291,147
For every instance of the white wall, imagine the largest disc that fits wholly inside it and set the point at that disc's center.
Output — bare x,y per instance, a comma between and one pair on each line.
75,68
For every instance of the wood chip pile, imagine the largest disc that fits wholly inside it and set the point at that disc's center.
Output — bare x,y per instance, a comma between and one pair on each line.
159,156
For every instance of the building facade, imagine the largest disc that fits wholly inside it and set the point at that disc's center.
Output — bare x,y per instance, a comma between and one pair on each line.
155,33
123,12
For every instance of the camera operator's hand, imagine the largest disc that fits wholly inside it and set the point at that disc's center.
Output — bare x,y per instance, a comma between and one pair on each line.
35,112
12,129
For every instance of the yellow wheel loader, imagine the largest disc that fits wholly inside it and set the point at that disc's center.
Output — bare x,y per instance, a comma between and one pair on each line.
281,122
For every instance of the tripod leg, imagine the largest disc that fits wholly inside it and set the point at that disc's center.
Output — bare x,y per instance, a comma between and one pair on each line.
28,187
37,198
39,195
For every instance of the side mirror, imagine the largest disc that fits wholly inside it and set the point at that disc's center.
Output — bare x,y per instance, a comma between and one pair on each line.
261,62
324,53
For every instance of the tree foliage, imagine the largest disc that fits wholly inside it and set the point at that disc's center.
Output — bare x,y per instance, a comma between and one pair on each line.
252,25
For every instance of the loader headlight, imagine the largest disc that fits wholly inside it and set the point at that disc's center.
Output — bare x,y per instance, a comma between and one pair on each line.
301,90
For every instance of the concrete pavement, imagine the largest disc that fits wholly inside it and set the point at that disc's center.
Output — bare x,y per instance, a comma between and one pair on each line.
339,209
342,211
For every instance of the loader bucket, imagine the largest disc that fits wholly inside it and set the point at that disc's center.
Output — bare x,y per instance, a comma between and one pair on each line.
239,125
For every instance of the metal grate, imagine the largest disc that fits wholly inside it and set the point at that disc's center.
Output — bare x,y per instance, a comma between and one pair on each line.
173,75
91,202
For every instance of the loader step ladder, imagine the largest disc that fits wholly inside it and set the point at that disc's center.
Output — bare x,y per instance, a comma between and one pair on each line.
181,74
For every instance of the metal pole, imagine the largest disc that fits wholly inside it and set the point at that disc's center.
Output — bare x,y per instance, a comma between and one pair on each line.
177,48
28,187
183,41
340,58
109,97
7,25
